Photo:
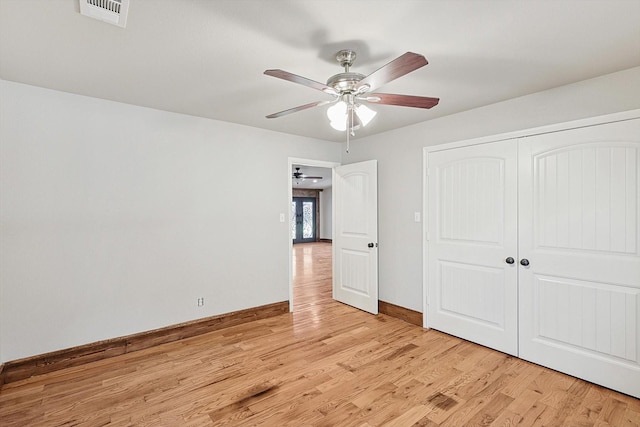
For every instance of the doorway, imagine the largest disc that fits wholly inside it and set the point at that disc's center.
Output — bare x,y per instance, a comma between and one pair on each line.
323,231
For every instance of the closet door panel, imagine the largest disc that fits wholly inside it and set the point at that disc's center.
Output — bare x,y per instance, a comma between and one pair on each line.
472,291
579,303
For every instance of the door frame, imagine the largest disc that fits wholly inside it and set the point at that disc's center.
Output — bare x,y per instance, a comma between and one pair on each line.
303,162
574,124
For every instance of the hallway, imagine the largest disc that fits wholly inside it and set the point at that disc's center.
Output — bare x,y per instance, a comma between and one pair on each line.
311,275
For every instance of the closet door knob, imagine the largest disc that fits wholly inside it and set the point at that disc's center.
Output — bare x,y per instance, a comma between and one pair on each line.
524,262
509,260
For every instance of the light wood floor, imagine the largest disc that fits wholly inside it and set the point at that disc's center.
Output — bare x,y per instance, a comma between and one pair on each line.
326,364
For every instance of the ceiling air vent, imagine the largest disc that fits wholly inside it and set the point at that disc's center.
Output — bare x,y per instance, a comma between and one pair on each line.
109,11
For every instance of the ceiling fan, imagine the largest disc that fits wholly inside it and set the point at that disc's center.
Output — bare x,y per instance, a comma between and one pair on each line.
350,89
297,175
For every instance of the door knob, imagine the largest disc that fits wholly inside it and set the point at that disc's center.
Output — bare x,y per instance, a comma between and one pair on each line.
524,262
370,245
509,260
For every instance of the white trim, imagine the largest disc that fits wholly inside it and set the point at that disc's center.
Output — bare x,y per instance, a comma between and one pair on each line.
304,162
425,242
574,124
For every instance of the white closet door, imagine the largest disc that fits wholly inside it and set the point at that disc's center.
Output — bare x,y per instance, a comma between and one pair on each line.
472,205
579,217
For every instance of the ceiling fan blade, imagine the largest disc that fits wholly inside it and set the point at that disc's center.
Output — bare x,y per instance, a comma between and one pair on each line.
296,109
285,75
401,100
404,64
311,177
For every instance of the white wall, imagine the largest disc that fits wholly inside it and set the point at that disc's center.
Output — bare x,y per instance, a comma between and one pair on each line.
326,209
399,155
116,218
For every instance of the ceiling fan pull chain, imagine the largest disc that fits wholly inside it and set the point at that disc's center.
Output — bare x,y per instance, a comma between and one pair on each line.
347,140
348,132
351,109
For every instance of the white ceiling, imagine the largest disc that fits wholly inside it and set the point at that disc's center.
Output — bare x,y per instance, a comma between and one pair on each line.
206,57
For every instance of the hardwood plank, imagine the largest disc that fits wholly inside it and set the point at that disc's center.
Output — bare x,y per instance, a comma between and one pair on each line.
491,411
325,364
613,411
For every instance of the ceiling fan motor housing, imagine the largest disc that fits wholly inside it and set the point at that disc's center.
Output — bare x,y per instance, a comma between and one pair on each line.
345,82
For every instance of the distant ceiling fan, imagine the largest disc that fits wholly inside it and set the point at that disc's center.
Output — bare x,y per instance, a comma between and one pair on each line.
350,89
299,176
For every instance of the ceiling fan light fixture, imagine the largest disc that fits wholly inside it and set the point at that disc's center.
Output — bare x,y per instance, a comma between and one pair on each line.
338,115
340,125
365,114
337,112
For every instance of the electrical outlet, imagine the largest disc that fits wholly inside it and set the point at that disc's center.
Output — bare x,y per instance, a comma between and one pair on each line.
200,301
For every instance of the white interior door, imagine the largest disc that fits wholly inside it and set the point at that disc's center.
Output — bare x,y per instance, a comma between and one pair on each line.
472,228
580,232
355,239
